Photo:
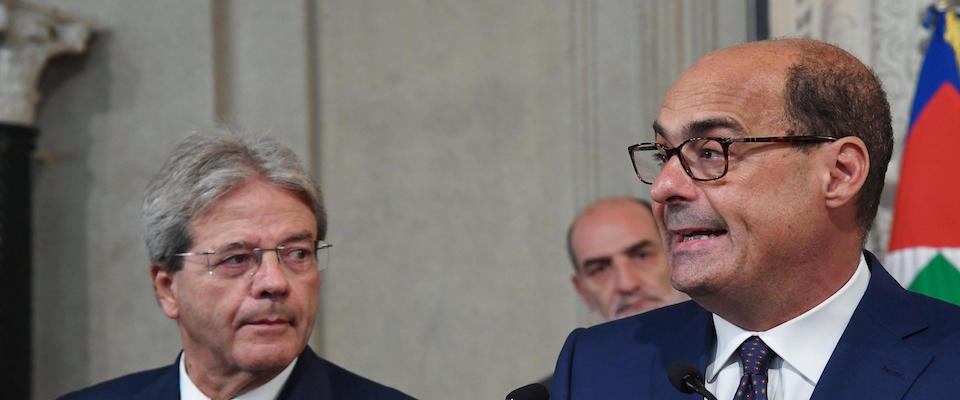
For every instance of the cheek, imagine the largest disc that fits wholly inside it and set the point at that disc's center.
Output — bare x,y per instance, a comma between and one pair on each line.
769,218
215,307
313,301
600,291
199,316
658,215
308,298
663,275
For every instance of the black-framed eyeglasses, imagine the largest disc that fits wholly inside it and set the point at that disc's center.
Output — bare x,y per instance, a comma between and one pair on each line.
703,158
239,260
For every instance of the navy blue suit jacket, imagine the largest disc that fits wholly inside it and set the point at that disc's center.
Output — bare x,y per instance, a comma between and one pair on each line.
312,378
897,345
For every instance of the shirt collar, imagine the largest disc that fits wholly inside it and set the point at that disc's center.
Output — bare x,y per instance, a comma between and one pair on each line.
267,391
794,340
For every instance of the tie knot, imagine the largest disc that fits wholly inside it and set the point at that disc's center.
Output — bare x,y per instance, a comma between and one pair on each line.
756,356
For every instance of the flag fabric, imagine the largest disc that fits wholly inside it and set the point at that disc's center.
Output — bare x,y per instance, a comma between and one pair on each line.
924,250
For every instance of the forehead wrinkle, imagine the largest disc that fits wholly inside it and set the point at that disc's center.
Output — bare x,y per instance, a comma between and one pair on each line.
297,237
702,127
726,91
720,91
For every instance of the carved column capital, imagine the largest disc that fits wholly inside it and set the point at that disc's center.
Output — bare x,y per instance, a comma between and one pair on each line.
31,36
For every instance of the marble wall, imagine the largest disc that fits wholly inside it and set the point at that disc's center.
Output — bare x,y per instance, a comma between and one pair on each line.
454,142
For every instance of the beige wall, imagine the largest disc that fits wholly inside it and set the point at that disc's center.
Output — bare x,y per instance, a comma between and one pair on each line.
454,142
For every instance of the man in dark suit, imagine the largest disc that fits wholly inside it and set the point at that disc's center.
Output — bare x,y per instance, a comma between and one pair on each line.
234,230
766,168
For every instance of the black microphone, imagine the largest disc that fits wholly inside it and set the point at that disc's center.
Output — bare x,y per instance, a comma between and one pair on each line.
533,391
687,379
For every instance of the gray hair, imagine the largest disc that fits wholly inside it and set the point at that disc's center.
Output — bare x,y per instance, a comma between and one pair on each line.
203,168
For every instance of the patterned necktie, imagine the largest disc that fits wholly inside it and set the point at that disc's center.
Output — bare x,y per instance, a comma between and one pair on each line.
756,357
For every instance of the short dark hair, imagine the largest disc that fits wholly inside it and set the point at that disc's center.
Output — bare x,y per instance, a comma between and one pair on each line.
573,258
830,93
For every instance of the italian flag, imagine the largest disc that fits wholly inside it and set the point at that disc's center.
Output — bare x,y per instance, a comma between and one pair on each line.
924,250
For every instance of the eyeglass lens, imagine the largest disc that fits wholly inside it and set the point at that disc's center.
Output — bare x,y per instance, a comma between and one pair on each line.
704,159
240,261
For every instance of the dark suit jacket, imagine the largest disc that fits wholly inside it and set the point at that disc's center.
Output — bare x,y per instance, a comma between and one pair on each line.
312,378
897,345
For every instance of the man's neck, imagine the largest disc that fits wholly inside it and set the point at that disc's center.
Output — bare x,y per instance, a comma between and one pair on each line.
803,287
217,382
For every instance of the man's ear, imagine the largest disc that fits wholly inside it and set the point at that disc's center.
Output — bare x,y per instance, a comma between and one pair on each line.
848,165
165,290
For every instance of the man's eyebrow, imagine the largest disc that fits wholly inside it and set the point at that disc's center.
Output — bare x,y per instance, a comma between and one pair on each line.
658,130
596,260
700,127
232,246
298,237
639,246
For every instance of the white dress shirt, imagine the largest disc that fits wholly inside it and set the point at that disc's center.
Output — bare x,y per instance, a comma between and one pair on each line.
803,345
267,391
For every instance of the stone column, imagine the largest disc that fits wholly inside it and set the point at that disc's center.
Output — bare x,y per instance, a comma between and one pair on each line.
29,36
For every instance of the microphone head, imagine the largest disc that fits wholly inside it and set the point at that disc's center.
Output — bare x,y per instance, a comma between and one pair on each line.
679,372
533,391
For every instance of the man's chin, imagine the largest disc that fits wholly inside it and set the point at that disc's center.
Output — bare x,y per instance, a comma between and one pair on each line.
631,311
626,313
266,356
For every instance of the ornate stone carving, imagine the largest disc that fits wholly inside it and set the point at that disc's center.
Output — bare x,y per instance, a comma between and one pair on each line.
31,36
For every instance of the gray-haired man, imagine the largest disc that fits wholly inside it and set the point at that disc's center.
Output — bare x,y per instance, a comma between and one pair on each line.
234,229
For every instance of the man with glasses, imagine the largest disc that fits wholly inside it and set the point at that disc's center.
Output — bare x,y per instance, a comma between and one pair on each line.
766,164
234,228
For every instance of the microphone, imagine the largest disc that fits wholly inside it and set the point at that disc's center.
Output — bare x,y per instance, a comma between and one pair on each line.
687,379
533,391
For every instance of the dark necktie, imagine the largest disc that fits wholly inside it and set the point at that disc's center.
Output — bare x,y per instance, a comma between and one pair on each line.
756,357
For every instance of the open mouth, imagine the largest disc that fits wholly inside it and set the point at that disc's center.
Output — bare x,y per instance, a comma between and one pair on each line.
700,235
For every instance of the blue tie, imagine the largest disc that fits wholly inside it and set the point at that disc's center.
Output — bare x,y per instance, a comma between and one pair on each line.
756,357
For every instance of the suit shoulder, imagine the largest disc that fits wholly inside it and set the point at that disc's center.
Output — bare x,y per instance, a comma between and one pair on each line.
127,386
937,306
610,339
654,320
348,385
940,314
345,384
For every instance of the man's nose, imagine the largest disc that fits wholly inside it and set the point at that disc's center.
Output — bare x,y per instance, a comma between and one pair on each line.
672,184
626,280
269,279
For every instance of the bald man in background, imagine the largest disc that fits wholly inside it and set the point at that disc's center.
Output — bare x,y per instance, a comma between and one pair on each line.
620,268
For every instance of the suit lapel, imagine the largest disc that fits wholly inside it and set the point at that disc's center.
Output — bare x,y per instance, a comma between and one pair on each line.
689,341
310,379
166,386
871,359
